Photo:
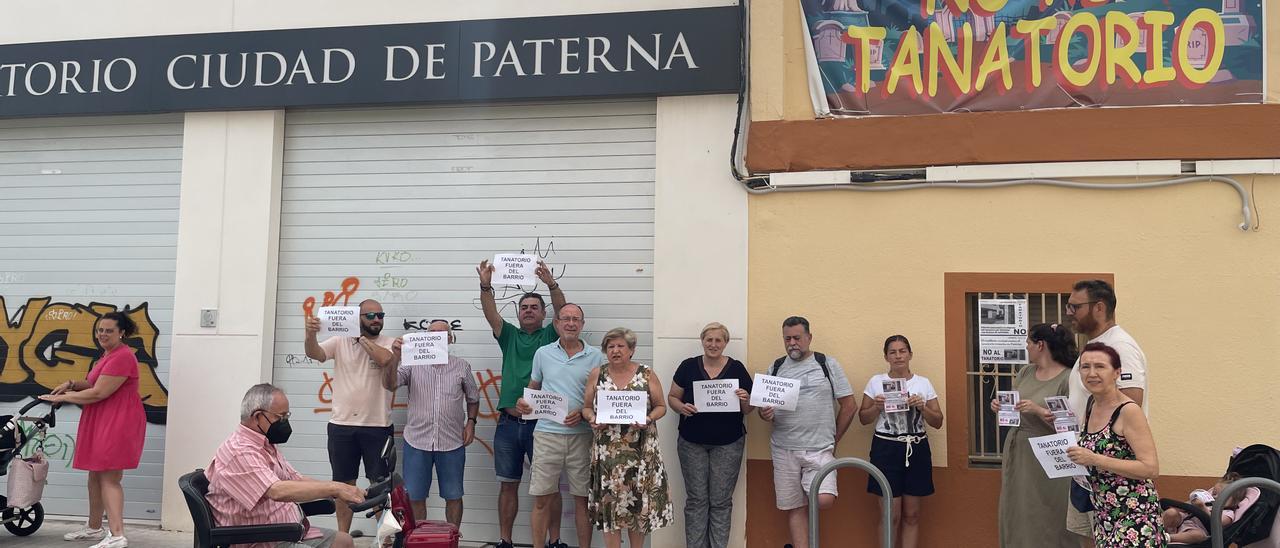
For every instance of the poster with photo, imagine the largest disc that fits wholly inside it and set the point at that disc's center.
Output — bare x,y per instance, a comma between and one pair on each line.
1002,331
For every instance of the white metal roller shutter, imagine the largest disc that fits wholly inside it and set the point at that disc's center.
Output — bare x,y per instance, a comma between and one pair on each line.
88,224
407,201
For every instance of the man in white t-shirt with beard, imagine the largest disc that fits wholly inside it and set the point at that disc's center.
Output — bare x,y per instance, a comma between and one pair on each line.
1092,311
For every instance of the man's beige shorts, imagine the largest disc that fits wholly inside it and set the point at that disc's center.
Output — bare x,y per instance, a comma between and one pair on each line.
555,453
1080,523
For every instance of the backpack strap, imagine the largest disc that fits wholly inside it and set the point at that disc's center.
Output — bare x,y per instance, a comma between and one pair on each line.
777,364
822,362
826,371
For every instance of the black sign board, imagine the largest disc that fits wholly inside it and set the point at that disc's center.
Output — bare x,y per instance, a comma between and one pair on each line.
672,52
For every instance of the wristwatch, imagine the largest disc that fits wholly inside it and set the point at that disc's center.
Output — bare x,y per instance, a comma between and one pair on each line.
471,419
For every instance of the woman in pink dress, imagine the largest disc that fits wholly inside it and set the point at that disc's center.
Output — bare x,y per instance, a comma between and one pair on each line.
112,427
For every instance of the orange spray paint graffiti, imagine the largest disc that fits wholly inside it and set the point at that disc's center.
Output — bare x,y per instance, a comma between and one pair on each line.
348,288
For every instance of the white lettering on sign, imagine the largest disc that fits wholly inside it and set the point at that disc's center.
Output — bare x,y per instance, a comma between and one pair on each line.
578,55
42,77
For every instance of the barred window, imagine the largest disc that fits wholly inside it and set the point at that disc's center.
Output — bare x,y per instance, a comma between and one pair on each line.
986,439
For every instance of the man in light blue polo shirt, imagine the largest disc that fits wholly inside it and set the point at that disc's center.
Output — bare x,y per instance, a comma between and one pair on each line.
562,367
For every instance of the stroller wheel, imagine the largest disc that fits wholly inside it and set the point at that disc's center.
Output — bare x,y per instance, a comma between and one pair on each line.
23,521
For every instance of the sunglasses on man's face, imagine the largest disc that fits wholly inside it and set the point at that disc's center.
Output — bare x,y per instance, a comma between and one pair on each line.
374,315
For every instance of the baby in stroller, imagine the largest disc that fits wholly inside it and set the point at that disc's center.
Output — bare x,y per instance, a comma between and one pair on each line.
1248,521
1184,528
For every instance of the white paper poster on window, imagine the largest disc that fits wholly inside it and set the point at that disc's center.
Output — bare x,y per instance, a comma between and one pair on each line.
1002,331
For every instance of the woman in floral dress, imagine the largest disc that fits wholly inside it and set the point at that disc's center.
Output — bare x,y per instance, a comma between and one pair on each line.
1118,449
628,487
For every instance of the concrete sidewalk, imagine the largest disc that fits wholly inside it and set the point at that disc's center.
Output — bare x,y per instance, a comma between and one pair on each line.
140,536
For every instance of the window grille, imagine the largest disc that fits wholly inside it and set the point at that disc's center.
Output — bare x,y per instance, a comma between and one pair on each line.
986,438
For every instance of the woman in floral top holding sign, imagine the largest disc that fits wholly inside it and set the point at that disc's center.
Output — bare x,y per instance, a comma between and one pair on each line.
1120,452
628,488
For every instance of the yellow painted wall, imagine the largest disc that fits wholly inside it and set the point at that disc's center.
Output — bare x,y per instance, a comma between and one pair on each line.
778,67
1201,297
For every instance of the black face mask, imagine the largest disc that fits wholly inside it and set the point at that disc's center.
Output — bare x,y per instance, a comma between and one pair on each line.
279,432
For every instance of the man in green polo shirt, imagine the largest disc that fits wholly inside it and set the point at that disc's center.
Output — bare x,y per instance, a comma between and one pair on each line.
513,438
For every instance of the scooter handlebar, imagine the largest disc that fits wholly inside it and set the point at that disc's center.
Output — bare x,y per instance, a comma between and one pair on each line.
370,503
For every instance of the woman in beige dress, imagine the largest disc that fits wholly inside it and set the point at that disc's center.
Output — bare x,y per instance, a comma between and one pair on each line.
1031,504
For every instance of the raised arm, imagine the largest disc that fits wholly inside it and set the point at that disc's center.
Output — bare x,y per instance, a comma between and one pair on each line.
548,277
314,351
488,304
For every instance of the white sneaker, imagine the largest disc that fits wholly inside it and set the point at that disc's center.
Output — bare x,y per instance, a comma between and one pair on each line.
112,542
85,533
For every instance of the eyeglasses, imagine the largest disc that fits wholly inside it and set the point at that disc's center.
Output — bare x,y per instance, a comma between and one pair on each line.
284,416
1072,308
374,315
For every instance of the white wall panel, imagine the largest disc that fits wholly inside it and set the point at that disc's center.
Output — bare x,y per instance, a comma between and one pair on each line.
88,214
409,200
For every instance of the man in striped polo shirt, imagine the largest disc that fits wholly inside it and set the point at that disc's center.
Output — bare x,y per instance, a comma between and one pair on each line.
443,403
250,482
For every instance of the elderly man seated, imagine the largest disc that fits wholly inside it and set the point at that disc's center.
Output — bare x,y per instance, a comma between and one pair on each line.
250,483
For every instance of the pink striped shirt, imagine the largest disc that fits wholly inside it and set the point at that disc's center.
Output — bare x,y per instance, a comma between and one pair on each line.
243,468
438,398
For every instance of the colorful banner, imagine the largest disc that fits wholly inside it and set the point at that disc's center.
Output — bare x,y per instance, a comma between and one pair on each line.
891,57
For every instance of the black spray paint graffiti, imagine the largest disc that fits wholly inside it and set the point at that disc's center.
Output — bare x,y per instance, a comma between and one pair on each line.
48,343
506,295
424,323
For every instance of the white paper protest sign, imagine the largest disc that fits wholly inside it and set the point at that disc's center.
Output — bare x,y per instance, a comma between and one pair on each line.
1051,451
425,348
716,396
515,269
895,395
546,405
1008,414
339,321
776,392
622,407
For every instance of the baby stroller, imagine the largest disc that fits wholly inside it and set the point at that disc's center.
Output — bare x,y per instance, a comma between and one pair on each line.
1254,461
26,520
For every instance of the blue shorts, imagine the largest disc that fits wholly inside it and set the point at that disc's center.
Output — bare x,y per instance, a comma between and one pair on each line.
449,467
512,447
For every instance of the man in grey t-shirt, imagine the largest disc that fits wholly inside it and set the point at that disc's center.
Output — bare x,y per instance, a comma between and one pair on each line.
804,439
